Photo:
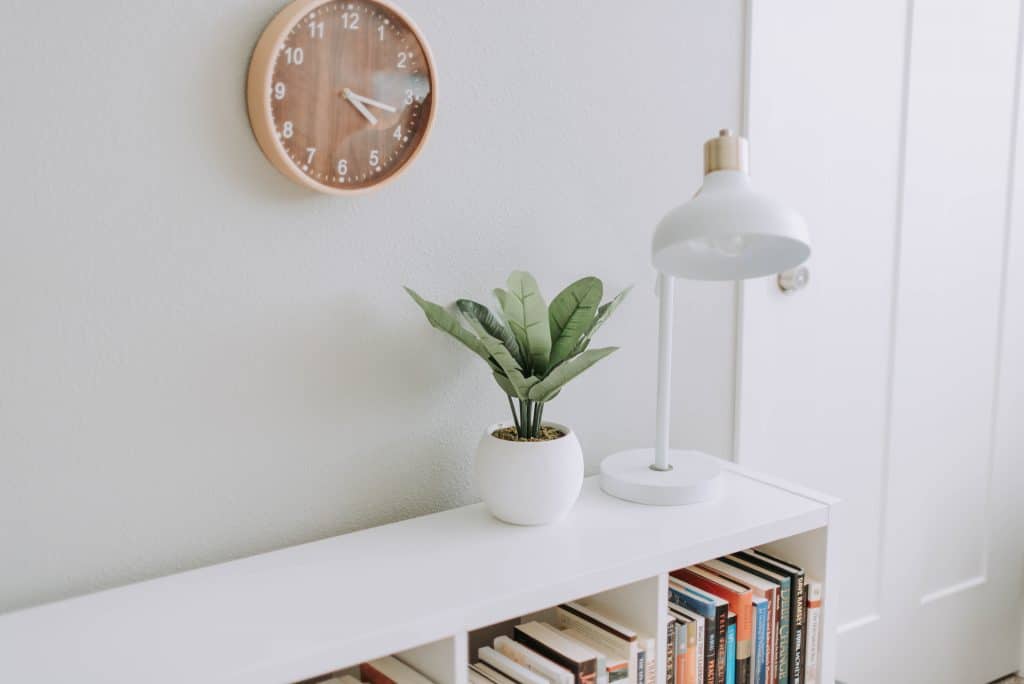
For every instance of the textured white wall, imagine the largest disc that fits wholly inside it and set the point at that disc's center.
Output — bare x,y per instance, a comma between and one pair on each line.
200,361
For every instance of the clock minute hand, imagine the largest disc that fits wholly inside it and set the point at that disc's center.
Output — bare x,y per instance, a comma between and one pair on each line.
372,103
352,100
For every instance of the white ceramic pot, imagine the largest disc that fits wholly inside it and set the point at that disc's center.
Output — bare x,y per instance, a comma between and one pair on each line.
529,483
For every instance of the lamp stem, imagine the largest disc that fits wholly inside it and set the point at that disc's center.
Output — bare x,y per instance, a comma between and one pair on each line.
666,289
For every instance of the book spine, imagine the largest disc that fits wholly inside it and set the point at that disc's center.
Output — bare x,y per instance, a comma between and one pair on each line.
772,663
760,670
813,632
681,650
796,666
784,624
651,673
701,655
641,666
368,673
721,626
730,652
670,652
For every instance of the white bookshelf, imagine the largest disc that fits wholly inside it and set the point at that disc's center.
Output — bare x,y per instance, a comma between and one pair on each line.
419,589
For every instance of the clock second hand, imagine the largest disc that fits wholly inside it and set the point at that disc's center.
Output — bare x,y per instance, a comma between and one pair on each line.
352,100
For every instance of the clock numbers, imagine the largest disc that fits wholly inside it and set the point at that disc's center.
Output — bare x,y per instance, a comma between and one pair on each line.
288,129
397,135
294,55
403,60
409,97
374,157
342,167
350,20
279,91
310,153
380,32
316,29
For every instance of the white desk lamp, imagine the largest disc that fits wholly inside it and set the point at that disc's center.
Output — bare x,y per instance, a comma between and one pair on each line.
726,232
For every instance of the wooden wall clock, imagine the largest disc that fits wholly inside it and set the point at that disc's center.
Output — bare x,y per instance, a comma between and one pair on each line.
341,93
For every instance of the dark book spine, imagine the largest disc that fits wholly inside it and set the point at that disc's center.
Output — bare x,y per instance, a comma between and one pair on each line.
670,653
721,627
799,615
641,667
743,669
585,672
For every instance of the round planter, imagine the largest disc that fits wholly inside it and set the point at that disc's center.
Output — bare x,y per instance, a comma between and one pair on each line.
529,483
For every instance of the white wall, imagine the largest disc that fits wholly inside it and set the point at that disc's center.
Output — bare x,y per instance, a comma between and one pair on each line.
201,361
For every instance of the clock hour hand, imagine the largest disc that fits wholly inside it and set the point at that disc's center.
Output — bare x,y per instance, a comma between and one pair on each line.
372,103
351,97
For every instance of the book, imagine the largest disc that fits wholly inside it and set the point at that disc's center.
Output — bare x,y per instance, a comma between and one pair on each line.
617,668
714,610
555,646
797,613
813,631
739,597
695,659
781,673
759,669
491,674
390,670
533,662
760,587
670,652
681,646
650,649
508,667
730,650
605,634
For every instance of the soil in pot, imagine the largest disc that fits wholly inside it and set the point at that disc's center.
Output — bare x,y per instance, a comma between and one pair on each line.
547,433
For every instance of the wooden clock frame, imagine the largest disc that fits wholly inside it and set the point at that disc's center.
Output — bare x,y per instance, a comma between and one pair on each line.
259,86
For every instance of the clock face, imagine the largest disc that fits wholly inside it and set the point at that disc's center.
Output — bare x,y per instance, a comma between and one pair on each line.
345,95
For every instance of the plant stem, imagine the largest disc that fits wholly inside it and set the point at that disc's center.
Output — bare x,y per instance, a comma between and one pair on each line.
524,420
515,418
529,419
540,416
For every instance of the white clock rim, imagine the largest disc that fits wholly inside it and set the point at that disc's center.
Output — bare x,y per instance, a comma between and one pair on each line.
260,82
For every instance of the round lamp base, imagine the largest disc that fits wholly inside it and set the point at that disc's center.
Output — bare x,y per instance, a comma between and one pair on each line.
694,477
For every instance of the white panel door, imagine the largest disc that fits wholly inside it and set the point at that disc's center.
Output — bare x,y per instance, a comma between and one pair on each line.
891,128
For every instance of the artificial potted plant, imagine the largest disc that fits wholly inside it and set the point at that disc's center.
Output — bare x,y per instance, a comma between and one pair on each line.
529,471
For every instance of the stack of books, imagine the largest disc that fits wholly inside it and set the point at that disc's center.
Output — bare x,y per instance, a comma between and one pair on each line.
581,645
746,618
387,670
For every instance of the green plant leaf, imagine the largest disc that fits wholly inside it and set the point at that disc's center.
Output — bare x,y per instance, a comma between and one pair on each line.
546,389
484,322
570,316
509,366
444,321
527,315
502,297
604,312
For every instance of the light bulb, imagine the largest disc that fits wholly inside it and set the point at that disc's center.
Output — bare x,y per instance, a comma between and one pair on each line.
729,245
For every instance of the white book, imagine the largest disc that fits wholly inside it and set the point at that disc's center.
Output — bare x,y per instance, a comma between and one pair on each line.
616,668
534,662
509,667
477,678
614,639
397,671
813,631
490,674
650,659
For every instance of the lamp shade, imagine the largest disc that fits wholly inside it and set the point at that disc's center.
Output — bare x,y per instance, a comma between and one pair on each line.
729,232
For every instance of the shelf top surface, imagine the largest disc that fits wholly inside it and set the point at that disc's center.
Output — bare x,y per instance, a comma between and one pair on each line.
327,604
